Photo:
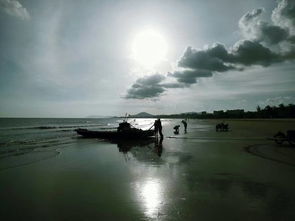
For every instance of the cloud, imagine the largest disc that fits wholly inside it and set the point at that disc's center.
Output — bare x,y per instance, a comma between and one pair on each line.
219,59
246,22
263,44
284,15
190,76
173,85
150,87
248,53
211,59
14,8
146,87
254,29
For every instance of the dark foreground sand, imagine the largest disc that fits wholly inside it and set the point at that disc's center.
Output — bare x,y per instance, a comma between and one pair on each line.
201,175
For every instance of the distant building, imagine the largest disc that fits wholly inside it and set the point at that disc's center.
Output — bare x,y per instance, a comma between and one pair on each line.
236,113
203,112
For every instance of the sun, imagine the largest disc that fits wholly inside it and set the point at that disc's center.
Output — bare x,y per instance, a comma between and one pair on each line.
149,47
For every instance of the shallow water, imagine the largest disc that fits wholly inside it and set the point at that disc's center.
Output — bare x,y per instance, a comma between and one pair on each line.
21,136
201,175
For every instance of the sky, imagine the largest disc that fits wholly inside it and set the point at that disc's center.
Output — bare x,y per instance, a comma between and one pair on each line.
71,58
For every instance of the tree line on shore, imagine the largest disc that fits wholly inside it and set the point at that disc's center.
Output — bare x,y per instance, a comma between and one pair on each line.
280,111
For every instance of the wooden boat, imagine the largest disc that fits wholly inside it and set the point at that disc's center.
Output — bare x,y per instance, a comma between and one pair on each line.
124,131
127,134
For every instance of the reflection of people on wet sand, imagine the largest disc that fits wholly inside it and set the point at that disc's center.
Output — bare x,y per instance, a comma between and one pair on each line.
158,128
185,125
159,146
222,127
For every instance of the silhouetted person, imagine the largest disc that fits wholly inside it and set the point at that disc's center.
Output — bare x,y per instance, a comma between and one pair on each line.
158,128
185,125
176,129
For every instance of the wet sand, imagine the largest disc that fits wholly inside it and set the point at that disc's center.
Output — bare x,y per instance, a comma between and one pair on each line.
201,175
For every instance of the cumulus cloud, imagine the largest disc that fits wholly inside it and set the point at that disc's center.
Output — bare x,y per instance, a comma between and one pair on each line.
146,87
211,59
248,53
14,8
190,76
284,15
254,29
263,44
150,87
173,85
219,59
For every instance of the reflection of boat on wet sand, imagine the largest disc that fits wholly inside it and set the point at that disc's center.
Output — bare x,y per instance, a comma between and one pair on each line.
143,150
126,145
124,131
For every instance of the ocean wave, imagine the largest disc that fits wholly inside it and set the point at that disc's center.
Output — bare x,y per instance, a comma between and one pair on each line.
34,143
45,127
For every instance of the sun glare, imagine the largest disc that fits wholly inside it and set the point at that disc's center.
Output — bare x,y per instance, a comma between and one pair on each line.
151,197
149,48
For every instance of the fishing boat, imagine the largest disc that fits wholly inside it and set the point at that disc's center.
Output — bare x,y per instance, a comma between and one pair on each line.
124,131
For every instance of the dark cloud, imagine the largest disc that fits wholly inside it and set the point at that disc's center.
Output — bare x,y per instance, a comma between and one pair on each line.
211,59
151,80
292,39
146,87
253,53
151,87
14,8
271,34
173,85
190,76
245,52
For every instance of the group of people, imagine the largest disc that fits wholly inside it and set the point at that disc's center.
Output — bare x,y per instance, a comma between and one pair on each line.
176,128
158,127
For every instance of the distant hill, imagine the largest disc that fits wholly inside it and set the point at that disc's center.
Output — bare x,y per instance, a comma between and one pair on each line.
98,116
142,115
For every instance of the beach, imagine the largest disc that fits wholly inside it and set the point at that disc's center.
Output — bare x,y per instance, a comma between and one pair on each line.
47,172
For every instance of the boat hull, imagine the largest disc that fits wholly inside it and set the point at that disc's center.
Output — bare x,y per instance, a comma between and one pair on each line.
130,134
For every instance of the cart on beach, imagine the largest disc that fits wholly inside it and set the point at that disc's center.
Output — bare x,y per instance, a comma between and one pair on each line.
289,137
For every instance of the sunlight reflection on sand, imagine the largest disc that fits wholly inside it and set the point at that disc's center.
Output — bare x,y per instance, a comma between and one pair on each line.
151,196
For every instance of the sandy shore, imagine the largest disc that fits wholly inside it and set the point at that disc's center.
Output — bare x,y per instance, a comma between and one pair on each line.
201,175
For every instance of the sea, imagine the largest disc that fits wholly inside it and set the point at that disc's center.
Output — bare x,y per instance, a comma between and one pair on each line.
22,136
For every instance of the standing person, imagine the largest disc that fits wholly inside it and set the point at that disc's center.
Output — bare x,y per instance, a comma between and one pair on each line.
156,125
185,125
158,128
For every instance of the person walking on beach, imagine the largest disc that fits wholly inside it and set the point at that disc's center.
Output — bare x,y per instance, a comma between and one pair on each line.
158,128
185,125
